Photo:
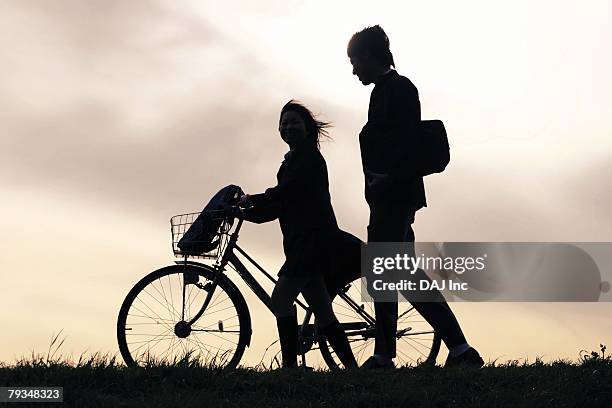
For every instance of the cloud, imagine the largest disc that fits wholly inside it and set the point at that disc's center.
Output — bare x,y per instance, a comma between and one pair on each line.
147,105
124,125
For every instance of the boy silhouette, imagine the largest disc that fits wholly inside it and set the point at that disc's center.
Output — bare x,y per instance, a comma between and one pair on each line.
394,115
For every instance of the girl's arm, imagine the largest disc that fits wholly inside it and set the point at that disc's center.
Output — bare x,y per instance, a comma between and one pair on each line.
296,180
260,210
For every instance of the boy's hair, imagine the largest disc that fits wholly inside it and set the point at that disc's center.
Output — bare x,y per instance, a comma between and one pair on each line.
315,128
374,41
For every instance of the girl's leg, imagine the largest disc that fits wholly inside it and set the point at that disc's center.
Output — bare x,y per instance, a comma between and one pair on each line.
318,299
285,292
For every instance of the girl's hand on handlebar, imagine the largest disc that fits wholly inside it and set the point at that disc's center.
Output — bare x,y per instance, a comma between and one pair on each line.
237,211
244,201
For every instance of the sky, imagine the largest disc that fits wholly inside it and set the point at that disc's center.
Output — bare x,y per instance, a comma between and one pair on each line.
117,115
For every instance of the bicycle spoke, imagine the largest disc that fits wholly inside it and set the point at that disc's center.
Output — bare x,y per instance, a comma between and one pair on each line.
208,345
158,316
159,340
148,317
189,300
347,308
215,299
416,349
216,331
236,344
223,352
364,347
171,296
149,341
405,355
344,315
411,333
143,324
216,323
165,306
407,311
417,342
164,296
162,287
183,289
220,310
209,310
170,348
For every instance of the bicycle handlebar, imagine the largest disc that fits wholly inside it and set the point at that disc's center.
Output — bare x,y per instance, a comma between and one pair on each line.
237,211
233,211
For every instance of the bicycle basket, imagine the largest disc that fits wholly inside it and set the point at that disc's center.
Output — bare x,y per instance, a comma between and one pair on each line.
199,235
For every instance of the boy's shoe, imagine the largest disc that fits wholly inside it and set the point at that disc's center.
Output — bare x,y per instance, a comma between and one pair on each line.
373,363
469,358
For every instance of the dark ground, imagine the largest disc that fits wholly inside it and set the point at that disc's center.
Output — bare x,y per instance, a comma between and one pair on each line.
99,381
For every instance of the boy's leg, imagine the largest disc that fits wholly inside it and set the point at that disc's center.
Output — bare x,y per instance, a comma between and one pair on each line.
393,223
388,223
436,310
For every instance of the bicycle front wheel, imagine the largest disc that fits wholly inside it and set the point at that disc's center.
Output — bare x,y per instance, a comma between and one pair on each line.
152,326
417,341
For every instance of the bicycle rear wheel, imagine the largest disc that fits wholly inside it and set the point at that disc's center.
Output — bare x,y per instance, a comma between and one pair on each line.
152,328
417,342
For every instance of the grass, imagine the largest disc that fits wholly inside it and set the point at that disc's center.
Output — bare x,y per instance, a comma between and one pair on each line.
101,381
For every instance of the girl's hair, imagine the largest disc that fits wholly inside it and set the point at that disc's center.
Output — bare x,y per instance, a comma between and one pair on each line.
372,40
315,129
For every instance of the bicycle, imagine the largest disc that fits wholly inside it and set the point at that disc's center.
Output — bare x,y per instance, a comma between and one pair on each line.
191,304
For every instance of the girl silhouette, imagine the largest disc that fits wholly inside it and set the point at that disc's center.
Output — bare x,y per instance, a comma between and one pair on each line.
302,204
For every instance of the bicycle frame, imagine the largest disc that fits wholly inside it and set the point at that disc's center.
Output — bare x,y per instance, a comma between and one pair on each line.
230,257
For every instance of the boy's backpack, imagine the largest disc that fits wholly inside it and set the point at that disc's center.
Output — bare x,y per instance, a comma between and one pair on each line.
433,152
202,236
